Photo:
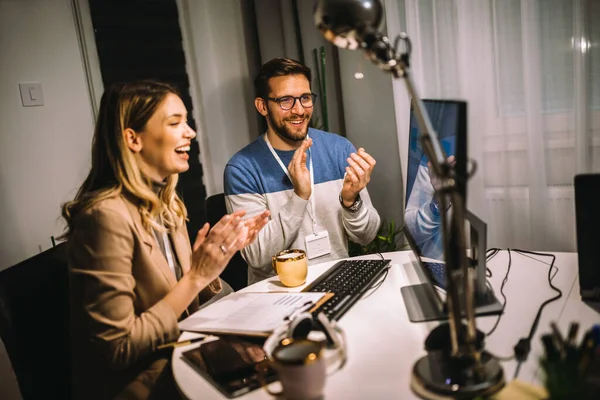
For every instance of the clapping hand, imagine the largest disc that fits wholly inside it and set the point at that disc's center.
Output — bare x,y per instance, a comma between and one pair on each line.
213,249
358,174
254,225
299,173
433,178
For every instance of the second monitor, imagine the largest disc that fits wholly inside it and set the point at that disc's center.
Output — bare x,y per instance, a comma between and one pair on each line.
423,223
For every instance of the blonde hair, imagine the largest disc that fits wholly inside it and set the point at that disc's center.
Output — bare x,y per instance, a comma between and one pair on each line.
114,169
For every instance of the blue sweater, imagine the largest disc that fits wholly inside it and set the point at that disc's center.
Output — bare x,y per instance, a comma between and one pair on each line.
254,181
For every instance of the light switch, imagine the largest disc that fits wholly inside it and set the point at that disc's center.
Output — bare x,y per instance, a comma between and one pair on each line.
31,94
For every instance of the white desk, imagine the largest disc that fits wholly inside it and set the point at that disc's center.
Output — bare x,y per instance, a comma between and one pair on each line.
383,344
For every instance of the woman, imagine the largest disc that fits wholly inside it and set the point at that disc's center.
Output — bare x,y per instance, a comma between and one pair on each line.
132,270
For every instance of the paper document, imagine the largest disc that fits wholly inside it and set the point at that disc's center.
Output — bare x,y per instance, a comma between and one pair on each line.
256,314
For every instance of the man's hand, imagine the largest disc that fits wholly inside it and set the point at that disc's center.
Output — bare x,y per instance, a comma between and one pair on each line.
358,174
435,181
299,173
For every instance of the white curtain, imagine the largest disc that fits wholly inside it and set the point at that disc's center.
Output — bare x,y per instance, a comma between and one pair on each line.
530,72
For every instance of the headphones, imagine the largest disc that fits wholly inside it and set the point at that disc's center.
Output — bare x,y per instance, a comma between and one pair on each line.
301,325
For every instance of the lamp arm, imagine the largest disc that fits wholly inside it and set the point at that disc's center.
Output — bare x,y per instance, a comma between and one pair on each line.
463,369
454,238
379,49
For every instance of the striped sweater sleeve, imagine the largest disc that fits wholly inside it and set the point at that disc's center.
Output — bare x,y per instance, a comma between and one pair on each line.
281,230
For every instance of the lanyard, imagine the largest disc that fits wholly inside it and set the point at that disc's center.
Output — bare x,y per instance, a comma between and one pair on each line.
312,177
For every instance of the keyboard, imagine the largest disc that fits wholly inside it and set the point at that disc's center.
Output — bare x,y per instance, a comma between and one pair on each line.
348,280
438,273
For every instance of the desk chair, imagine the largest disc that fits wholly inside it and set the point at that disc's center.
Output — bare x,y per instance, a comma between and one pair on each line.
236,272
34,323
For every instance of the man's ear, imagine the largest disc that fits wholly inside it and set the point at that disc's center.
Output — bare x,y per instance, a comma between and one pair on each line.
261,106
133,140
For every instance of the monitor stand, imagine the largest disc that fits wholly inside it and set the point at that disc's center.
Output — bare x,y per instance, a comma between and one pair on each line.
423,303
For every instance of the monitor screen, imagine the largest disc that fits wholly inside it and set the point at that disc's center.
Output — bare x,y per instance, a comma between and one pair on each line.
423,224
422,214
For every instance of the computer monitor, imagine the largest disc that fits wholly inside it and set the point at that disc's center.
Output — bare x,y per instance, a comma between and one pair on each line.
423,224
476,244
422,216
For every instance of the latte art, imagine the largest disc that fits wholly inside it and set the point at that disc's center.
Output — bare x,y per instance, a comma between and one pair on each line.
291,266
289,255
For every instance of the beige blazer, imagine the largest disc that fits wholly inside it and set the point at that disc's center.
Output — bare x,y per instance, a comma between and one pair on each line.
118,277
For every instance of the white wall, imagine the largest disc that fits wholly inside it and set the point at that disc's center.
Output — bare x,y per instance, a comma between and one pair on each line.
371,123
221,85
312,39
277,38
44,151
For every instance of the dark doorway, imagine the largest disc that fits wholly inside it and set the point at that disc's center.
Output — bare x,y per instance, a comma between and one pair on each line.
141,39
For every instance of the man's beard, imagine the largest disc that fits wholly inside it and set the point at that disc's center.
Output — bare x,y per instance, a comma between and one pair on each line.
284,131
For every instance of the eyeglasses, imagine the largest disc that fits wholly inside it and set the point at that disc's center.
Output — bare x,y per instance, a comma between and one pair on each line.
288,102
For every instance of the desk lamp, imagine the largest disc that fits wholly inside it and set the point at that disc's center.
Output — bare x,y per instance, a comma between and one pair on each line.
456,364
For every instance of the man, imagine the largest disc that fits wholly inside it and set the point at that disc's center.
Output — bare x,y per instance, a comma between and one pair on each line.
312,182
422,216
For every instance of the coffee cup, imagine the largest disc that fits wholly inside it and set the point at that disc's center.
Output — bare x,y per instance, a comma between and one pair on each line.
291,266
300,368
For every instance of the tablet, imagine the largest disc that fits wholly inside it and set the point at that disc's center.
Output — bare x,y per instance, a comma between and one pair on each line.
229,364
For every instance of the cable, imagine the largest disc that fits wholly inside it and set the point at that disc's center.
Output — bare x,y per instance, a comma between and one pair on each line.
502,292
509,358
494,251
524,345
550,300
378,284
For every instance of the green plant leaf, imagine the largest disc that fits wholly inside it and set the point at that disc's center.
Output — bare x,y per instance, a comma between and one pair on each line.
385,241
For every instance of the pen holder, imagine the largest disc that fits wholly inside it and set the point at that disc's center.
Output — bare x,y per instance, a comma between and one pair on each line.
561,379
571,370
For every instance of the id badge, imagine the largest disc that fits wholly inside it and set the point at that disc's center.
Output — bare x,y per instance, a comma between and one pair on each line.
317,244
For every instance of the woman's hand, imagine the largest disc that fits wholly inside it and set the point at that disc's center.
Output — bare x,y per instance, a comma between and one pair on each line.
213,250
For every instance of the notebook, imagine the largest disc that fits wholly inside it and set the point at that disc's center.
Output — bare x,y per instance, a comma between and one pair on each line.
251,314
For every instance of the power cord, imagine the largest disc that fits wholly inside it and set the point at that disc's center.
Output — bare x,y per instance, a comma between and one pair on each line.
505,300
378,284
493,251
523,346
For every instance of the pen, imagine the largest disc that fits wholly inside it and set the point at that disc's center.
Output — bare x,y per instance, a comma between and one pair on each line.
322,301
551,351
558,339
585,351
179,344
572,335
